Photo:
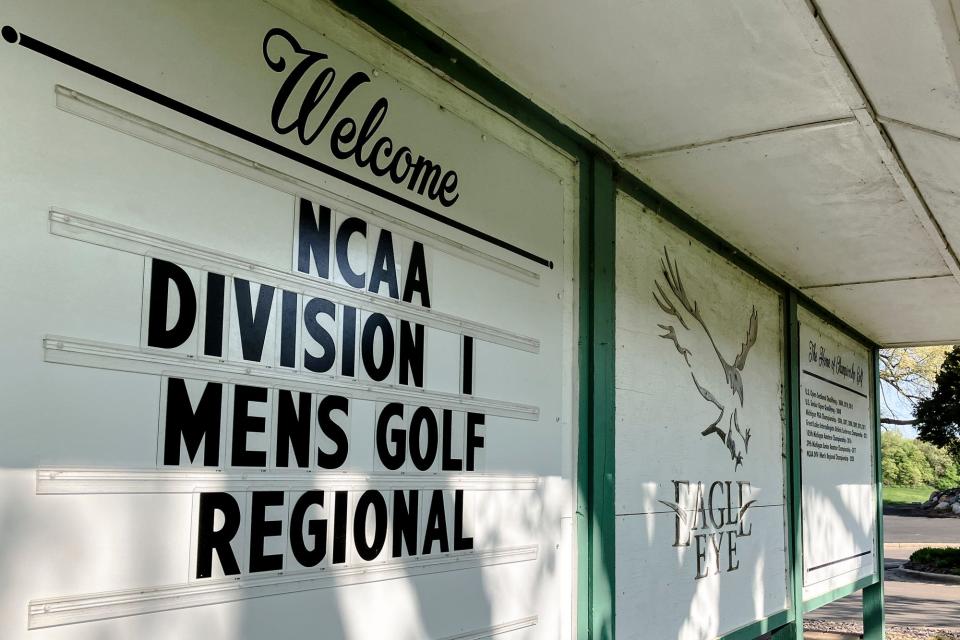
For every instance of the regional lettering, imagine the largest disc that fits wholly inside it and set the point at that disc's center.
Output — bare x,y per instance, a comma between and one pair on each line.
291,531
313,83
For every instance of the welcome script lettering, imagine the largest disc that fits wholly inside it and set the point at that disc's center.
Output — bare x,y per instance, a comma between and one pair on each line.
309,102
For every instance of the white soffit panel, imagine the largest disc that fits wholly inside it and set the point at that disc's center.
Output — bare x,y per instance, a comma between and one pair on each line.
648,75
905,55
898,312
934,161
816,204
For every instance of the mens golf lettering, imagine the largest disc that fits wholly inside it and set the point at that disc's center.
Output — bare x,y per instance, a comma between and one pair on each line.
430,439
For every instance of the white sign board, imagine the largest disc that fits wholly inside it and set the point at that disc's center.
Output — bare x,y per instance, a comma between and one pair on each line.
837,458
700,518
288,335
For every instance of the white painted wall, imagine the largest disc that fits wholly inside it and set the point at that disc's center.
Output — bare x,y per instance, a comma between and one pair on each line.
660,415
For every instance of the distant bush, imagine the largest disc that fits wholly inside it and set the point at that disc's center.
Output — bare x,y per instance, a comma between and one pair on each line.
936,560
911,463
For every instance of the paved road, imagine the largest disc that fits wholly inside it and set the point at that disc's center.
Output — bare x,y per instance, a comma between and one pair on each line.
902,529
909,602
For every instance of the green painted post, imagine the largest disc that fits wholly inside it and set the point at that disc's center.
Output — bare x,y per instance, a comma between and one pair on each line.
794,629
585,385
603,461
873,610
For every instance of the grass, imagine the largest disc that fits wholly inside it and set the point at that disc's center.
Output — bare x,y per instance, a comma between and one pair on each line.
905,495
936,560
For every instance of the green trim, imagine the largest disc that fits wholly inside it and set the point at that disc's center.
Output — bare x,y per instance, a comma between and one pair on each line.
839,592
873,613
584,399
792,450
603,412
760,627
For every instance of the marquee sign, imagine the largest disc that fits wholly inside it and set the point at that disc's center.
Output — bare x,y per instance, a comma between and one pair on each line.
293,340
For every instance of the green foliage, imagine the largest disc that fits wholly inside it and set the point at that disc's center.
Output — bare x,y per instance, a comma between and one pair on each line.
910,463
937,560
938,417
945,473
906,495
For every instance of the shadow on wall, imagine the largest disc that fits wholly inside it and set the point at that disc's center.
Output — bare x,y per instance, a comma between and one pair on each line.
69,545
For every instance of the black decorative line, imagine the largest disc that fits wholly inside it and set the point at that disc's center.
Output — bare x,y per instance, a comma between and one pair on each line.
13,37
827,564
836,384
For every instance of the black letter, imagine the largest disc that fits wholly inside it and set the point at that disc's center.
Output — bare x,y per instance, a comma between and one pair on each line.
162,274
436,528
261,528
390,461
420,416
340,527
193,426
293,428
244,423
448,462
369,551
288,329
348,228
316,528
314,238
209,540
405,523
384,266
411,353
467,364
474,441
333,431
374,322
253,324
348,346
416,280
213,325
460,543
315,307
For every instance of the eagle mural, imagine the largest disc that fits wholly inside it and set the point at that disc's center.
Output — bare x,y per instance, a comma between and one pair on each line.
726,392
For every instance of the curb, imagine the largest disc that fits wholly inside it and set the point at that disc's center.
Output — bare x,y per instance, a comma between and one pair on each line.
905,545
938,577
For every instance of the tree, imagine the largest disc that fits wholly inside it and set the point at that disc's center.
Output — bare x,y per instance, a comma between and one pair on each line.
903,464
938,417
909,375
909,463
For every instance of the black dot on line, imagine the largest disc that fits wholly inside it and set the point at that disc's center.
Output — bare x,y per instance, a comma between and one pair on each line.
9,34
551,264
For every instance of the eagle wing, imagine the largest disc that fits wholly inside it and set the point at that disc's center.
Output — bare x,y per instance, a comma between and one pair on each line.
748,343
